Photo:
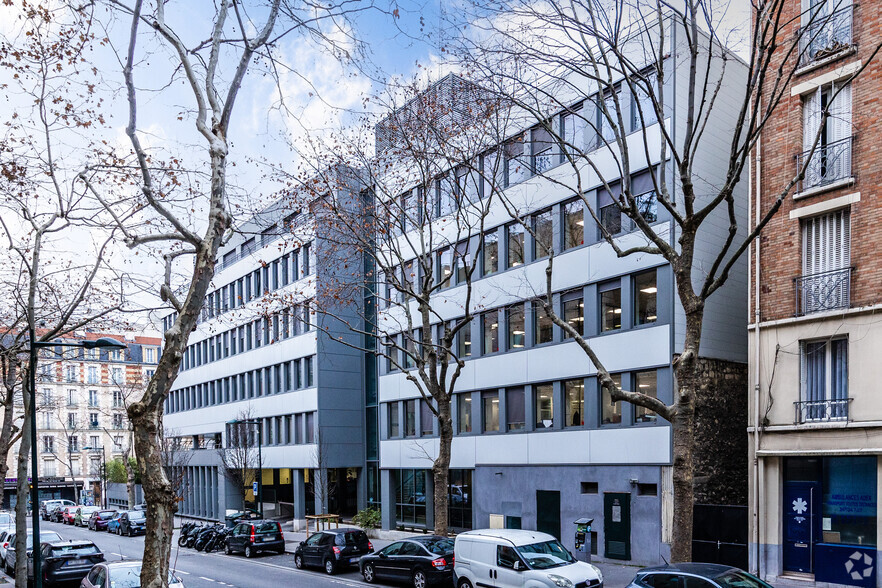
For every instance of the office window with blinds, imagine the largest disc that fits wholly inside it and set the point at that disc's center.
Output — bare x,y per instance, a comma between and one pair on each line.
826,258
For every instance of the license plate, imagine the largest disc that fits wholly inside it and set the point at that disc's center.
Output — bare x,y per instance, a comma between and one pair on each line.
353,560
268,539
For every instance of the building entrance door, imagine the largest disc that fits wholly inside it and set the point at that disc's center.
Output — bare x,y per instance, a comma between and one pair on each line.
801,500
548,512
617,525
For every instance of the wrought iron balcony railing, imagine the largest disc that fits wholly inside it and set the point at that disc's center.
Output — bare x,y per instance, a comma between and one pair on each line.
829,163
827,35
809,411
824,291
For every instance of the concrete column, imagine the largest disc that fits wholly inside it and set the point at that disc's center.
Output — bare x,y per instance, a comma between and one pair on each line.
387,499
430,499
215,502
592,403
627,303
298,480
321,482
529,411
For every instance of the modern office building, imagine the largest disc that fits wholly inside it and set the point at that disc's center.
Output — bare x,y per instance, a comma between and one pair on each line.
816,416
81,408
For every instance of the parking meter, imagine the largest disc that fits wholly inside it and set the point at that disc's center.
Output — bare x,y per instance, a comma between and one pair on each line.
583,537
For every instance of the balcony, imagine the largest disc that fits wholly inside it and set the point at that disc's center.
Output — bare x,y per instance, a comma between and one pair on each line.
826,36
821,411
829,164
824,291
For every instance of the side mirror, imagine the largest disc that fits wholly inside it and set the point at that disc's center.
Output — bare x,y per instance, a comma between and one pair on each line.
516,566
302,543
382,555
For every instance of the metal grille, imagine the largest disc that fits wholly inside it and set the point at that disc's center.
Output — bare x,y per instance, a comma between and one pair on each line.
826,36
823,291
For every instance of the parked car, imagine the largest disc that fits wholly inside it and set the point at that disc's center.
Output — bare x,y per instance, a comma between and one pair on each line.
126,574
66,561
99,519
333,549
9,560
242,516
699,575
132,522
255,536
68,513
7,522
422,560
515,558
113,523
141,506
56,513
47,506
4,543
81,518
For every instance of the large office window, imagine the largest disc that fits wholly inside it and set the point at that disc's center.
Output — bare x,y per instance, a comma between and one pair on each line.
490,253
490,331
645,295
490,411
464,341
543,327
610,412
543,405
573,224
574,393
647,384
460,499
410,418
514,409
609,212
611,306
464,413
574,311
543,231
542,150
463,259
394,429
445,267
515,241
427,419
516,326
410,496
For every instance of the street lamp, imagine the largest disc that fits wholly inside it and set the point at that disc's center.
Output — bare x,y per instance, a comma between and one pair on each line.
102,343
103,472
259,457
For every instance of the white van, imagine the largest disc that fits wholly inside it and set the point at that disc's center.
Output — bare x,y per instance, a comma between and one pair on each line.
514,558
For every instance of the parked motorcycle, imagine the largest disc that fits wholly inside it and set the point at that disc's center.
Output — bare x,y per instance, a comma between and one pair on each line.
188,533
204,536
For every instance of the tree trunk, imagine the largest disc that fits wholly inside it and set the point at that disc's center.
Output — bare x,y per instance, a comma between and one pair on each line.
130,481
441,467
22,492
684,442
5,438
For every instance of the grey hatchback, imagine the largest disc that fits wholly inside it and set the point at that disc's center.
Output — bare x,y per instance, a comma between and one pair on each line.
695,575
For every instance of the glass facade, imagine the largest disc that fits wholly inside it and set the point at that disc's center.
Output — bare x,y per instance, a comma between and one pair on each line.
410,496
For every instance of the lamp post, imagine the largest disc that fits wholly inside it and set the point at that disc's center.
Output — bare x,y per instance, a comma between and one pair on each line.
259,457
102,343
103,473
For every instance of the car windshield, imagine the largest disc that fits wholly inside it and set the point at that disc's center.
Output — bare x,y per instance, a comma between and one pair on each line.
45,537
136,515
130,577
438,546
76,549
548,554
106,515
739,579
267,528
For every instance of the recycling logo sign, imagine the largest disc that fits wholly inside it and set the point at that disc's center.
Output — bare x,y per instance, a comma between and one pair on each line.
800,506
859,566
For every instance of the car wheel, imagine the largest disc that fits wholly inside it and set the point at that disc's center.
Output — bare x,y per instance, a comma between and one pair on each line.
368,573
329,567
249,551
419,579
464,583
298,562
129,532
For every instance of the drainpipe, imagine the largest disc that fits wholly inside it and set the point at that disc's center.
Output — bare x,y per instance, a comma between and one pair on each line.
758,477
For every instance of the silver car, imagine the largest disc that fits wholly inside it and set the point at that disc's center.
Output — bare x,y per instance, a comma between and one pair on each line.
121,574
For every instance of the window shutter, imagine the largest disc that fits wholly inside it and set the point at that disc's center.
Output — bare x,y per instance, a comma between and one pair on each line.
811,118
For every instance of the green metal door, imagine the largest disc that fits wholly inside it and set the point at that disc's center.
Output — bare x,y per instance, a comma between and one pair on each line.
548,512
617,525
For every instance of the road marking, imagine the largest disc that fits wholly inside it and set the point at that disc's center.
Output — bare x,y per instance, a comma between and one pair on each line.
181,572
206,579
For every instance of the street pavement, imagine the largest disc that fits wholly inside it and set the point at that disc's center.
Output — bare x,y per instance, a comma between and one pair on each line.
216,570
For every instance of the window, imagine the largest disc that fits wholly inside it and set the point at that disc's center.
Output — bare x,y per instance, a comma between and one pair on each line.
574,391
71,420
574,312
514,409
73,443
446,198
827,29
410,418
118,421
826,257
491,253
831,160
645,294
464,413
610,412
543,402
543,150
824,380
70,373
93,420
647,206
46,399
610,212
248,247
543,328
48,444
490,413
515,240
647,384
427,419
463,262
92,375
607,117
516,326
610,307
506,556
515,169
410,496
642,102
394,430
464,341
93,397
543,229
573,131
490,329
574,224
49,467
445,267
308,371
150,355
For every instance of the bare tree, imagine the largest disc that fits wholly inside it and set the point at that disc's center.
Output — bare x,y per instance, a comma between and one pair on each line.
239,463
582,62
175,457
11,374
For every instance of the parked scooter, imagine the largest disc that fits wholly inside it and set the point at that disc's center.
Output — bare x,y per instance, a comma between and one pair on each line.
203,537
187,540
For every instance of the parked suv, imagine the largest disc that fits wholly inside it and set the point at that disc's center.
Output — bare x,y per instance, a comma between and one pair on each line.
333,549
255,536
514,558
133,522
66,561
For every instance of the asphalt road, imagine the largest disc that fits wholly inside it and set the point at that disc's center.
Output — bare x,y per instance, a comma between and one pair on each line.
215,570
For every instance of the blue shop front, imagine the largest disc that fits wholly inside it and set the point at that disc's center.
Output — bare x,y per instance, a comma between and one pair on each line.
830,519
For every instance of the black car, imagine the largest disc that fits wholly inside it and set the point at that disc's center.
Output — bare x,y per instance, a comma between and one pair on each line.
255,536
333,549
695,575
421,560
66,561
133,522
